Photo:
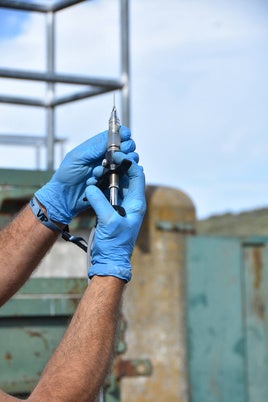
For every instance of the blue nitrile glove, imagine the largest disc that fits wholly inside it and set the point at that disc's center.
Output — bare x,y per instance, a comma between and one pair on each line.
64,195
115,235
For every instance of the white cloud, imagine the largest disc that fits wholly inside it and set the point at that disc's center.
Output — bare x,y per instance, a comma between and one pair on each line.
26,51
187,23
88,38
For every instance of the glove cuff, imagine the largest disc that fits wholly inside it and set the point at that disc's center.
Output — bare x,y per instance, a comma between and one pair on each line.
49,196
121,272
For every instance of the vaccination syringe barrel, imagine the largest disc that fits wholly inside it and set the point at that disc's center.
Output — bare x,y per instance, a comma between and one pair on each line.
113,145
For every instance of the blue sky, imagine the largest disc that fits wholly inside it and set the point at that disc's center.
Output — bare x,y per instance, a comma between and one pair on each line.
11,23
199,91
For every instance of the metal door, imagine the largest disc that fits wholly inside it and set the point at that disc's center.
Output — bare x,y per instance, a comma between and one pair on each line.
227,326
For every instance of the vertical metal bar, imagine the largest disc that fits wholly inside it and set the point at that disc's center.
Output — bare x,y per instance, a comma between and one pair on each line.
62,150
50,109
125,70
38,154
101,395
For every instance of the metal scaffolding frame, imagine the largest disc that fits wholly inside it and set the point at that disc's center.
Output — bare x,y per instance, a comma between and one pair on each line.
95,86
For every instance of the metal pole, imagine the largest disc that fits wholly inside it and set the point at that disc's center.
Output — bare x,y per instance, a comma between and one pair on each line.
38,157
61,4
125,62
23,5
50,109
43,8
19,100
60,78
81,95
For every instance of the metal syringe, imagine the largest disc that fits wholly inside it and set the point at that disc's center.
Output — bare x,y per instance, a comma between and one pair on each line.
113,145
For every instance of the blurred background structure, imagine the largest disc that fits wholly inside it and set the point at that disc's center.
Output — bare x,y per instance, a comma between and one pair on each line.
194,325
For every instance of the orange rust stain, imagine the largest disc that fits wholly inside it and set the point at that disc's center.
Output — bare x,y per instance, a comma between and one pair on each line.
8,356
34,333
257,267
259,307
38,334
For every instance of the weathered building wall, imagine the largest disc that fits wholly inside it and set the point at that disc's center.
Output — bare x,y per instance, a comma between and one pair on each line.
154,306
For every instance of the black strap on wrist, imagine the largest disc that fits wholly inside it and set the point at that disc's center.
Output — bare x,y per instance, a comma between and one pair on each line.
46,221
79,241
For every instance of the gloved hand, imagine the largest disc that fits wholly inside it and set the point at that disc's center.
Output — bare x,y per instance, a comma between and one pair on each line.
115,236
64,195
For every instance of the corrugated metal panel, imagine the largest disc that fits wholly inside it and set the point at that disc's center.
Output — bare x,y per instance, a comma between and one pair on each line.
215,325
32,324
227,300
256,307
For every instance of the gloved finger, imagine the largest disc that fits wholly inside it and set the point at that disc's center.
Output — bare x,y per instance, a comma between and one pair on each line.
136,178
95,148
91,181
118,157
90,150
133,156
125,133
128,146
99,203
134,200
97,172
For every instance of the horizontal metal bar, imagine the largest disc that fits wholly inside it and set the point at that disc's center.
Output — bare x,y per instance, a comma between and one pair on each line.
43,8
40,306
60,5
22,101
60,100
182,227
17,139
59,78
24,6
255,241
53,286
81,95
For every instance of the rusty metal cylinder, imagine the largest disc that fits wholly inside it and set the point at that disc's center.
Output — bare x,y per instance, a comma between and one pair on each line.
154,300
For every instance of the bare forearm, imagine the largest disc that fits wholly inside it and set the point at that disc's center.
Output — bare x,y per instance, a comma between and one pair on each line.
79,366
24,242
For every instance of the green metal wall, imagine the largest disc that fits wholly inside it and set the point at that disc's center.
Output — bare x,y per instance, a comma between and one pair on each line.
32,324
227,325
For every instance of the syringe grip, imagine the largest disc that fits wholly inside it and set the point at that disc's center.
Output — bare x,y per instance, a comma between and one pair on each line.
120,210
103,182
